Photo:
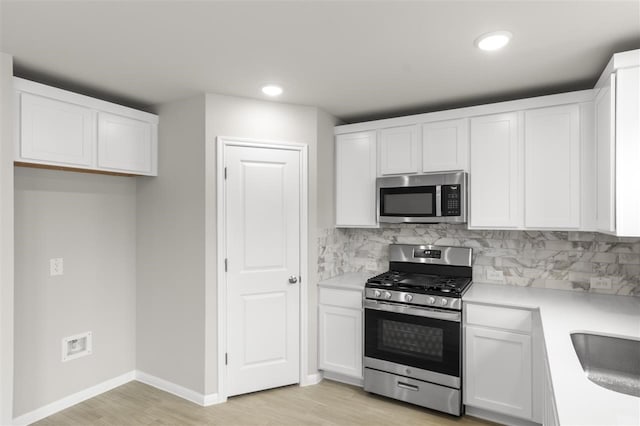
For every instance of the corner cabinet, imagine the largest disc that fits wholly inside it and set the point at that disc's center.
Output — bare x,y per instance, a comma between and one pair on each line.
501,361
356,180
63,129
617,108
340,334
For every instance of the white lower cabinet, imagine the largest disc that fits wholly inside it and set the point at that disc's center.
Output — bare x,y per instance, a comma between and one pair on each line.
499,371
550,412
501,361
340,334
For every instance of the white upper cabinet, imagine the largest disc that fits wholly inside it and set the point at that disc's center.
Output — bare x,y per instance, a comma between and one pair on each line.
445,146
55,132
617,110
356,180
605,158
552,167
560,162
495,189
399,150
627,147
65,129
125,144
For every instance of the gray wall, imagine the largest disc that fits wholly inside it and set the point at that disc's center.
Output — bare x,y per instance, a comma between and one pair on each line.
171,243
6,238
89,220
260,120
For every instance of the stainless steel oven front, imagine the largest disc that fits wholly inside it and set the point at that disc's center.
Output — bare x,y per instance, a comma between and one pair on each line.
413,353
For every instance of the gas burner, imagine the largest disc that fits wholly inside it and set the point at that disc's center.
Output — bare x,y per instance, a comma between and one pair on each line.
420,283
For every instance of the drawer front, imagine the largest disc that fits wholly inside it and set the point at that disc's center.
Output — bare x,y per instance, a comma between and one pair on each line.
344,298
499,317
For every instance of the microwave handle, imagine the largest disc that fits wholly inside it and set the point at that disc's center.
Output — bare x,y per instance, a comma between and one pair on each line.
438,200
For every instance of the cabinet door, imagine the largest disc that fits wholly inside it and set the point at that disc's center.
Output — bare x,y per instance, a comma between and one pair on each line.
495,179
399,150
498,371
124,144
605,158
552,167
356,180
627,152
550,412
445,146
57,132
341,340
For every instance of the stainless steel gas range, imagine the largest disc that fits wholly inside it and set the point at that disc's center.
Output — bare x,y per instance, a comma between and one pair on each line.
413,327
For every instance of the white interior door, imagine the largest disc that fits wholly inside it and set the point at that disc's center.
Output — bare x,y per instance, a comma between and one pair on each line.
263,191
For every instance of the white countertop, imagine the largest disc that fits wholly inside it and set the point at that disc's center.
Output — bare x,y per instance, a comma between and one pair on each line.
579,401
349,281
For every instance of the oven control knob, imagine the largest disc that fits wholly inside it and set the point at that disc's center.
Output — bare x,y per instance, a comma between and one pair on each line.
387,295
443,301
408,297
376,293
431,300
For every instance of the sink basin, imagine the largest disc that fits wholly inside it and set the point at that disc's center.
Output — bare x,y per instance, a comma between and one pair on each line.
610,362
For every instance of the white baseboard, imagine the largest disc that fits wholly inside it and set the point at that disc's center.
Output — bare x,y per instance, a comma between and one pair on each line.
497,417
177,390
343,378
61,404
311,379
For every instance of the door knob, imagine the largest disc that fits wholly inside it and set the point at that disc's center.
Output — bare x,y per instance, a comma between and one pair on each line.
293,279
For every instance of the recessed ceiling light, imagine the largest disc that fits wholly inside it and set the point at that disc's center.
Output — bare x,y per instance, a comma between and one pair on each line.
272,90
494,40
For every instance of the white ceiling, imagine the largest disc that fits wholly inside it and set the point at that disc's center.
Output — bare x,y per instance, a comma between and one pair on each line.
354,59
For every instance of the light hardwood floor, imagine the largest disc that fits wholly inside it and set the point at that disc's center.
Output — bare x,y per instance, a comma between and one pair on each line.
328,403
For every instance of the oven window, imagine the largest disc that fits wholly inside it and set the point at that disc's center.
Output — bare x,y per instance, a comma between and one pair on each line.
414,201
411,339
426,343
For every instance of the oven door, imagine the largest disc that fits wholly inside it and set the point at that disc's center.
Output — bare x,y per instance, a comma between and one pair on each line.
412,341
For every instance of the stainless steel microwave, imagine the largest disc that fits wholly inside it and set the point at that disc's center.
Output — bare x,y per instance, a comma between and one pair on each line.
425,198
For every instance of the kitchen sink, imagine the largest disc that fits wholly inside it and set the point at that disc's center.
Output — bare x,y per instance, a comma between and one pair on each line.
610,362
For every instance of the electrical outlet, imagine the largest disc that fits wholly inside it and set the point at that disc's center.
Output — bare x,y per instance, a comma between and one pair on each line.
494,275
601,283
56,266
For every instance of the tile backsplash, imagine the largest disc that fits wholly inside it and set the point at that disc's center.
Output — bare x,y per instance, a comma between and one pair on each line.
548,259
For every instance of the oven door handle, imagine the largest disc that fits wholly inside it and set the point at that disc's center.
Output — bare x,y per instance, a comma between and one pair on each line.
412,310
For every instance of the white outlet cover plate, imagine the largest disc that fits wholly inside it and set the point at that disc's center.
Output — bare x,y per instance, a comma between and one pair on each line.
493,275
602,283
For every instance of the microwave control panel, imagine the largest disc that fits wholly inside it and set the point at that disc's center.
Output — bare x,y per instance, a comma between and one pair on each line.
451,200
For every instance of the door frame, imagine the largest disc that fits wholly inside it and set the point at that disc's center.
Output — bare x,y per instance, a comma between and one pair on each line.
221,244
